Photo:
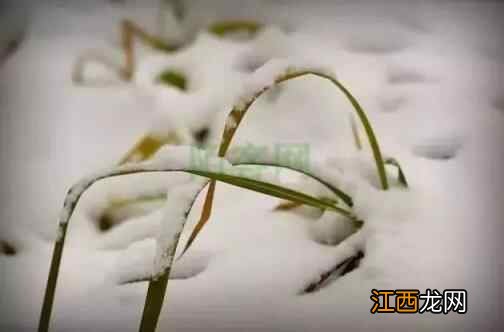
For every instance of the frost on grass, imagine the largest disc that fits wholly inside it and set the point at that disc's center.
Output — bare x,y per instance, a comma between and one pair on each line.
438,148
168,158
180,198
73,195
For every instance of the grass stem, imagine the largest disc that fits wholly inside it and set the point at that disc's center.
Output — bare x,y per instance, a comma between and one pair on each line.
238,112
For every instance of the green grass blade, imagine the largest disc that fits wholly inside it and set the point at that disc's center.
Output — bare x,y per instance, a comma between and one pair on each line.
157,285
223,28
154,303
45,315
238,112
373,142
400,173
207,205
76,192
338,192
355,133
273,190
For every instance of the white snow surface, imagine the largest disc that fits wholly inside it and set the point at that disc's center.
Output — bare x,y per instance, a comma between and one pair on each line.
429,75
174,218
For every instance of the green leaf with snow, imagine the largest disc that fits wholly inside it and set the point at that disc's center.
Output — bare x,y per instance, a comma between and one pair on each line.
280,73
76,192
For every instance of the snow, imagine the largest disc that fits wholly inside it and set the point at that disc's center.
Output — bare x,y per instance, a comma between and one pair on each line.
175,216
332,228
428,74
272,71
441,147
144,227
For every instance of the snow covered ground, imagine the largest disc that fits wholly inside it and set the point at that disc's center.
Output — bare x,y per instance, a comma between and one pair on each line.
430,76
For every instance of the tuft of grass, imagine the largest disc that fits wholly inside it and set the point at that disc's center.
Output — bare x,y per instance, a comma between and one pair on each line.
158,284
131,31
239,111
149,145
223,28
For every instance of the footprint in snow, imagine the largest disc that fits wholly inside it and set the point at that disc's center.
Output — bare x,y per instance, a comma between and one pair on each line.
438,148
392,103
250,63
382,42
405,75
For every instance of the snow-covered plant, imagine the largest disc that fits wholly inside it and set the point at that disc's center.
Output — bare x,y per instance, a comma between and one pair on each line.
160,41
180,199
174,159
272,74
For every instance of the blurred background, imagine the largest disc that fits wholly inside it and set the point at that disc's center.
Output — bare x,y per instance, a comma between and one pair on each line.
430,74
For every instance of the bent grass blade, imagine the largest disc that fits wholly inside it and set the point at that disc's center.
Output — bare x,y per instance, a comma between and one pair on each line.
75,193
238,112
223,28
